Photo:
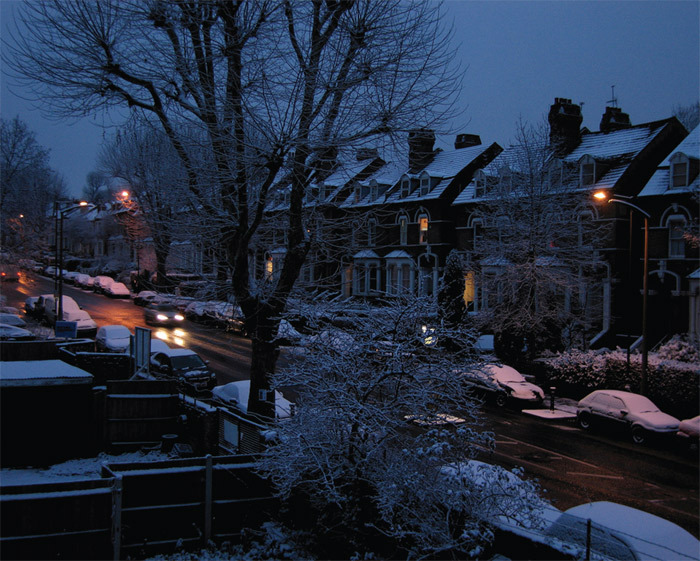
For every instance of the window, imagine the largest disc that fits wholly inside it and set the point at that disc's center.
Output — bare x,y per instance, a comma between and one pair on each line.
587,171
405,187
479,184
506,179
373,190
585,228
469,292
269,268
679,171
371,232
424,184
366,278
477,234
555,174
403,230
676,241
423,229
400,279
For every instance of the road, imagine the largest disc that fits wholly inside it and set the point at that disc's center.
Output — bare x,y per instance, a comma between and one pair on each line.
573,466
228,354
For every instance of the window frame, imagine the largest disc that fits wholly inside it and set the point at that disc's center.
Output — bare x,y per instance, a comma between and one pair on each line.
679,161
676,244
423,218
585,163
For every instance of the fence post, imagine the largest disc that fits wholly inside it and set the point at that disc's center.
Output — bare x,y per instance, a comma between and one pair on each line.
207,498
117,490
588,540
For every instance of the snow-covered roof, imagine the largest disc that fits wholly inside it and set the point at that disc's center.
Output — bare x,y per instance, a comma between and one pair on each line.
661,180
444,167
41,373
624,142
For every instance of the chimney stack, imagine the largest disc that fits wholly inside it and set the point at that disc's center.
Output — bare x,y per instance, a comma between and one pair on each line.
614,119
420,148
466,140
564,125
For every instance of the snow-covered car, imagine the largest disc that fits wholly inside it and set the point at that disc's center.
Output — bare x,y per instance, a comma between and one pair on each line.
186,367
117,290
113,339
70,276
9,310
162,314
101,282
12,319
84,281
627,411
503,385
235,394
689,431
12,333
145,297
195,310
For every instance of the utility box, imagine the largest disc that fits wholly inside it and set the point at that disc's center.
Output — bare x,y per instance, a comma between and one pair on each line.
45,413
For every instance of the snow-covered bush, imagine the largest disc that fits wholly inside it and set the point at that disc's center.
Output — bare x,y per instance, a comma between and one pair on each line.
680,348
360,479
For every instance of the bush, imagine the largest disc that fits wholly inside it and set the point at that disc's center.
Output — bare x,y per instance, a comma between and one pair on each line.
672,384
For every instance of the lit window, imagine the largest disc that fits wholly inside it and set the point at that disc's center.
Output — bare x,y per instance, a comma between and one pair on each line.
423,230
403,230
676,241
269,267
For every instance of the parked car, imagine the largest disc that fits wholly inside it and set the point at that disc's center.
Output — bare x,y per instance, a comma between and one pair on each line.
51,308
84,281
689,432
101,283
30,306
145,297
12,319
186,367
69,277
113,339
9,310
503,385
12,333
162,314
117,290
628,411
195,310
235,394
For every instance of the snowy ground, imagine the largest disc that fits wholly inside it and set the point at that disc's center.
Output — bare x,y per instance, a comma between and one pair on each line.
73,470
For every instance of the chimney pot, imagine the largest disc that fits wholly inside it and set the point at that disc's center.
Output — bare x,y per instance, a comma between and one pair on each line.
614,119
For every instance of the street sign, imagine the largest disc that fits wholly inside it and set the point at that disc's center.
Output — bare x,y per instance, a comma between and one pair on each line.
66,329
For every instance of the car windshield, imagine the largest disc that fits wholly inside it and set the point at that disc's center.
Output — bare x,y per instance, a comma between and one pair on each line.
187,362
640,404
164,308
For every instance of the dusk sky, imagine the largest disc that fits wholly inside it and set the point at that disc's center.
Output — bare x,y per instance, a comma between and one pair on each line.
518,56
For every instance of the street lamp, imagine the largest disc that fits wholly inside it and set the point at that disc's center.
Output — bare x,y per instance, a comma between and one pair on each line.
58,289
603,196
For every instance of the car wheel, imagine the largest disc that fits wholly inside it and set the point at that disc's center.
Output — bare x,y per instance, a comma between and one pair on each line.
501,399
639,435
584,420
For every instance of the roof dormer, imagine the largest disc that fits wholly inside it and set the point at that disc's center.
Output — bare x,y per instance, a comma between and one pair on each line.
405,186
683,170
479,184
424,183
373,190
587,171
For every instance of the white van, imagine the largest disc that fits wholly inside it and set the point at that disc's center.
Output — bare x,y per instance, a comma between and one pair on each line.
71,312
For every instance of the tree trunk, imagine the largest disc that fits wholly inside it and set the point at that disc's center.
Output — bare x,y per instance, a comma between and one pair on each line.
265,352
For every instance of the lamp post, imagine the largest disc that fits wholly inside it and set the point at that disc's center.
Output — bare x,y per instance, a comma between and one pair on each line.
645,283
58,289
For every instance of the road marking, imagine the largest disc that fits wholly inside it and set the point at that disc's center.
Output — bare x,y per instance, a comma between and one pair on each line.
595,475
514,441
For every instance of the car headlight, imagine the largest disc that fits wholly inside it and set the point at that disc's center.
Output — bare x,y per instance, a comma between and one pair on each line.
178,317
161,317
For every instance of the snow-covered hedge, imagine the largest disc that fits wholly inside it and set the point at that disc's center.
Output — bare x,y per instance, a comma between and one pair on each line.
672,384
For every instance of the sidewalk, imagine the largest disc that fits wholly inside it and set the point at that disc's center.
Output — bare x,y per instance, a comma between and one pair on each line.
564,408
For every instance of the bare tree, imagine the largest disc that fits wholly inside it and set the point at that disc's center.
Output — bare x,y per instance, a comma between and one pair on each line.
272,86
96,189
688,115
380,440
28,188
535,258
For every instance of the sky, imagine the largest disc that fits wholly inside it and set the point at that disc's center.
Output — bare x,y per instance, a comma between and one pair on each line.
518,56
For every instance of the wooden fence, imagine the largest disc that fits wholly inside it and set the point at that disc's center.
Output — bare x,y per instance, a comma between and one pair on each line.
136,510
